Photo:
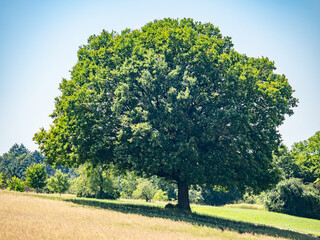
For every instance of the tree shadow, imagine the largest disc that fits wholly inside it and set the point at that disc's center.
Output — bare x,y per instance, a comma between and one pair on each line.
193,218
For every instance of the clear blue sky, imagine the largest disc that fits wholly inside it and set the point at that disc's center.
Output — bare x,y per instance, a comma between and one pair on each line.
39,42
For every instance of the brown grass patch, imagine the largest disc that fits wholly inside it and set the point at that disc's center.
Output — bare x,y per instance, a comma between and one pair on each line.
26,217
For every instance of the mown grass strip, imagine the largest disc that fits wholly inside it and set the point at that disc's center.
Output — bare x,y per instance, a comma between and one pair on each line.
305,225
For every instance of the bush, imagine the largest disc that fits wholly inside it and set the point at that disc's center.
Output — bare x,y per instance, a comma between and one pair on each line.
160,196
1,180
294,198
218,197
15,184
145,190
249,198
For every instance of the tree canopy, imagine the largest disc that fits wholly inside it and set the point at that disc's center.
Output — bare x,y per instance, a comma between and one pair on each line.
172,99
15,162
36,176
59,182
307,156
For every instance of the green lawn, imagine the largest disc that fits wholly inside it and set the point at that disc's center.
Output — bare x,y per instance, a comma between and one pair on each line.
305,225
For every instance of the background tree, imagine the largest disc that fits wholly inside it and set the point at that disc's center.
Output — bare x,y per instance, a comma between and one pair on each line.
286,162
19,158
15,161
160,196
58,183
218,197
96,182
128,183
307,156
173,99
195,194
36,176
145,190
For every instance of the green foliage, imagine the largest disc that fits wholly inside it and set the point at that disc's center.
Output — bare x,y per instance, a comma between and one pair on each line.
173,99
307,156
249,198
213,196
96,182
145,190
286,162
128,183
15,184
160,196
36,176
1,179
316,184
293,197
58,183
195,194
218,197
15,161
171,190
19,158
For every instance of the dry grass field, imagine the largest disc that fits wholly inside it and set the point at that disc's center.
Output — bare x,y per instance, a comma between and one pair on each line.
27,217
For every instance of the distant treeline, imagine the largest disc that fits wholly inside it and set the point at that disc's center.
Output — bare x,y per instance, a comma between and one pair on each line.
102,182
15,162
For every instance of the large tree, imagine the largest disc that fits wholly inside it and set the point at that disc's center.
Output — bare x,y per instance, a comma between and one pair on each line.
172,99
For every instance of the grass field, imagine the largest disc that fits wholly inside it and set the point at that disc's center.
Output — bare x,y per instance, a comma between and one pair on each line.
29,217
305,225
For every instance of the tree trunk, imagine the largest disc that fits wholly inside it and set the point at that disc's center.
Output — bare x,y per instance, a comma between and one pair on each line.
100,192
183,196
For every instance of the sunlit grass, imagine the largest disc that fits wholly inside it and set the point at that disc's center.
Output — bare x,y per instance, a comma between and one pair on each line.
245,206
305,225
27,217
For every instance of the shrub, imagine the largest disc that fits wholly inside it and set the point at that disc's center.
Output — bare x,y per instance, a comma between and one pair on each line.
293,197
218,197
145,190
1,180
15,184
160,196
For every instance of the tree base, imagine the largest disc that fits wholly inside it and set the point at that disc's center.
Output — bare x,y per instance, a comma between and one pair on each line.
177,207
